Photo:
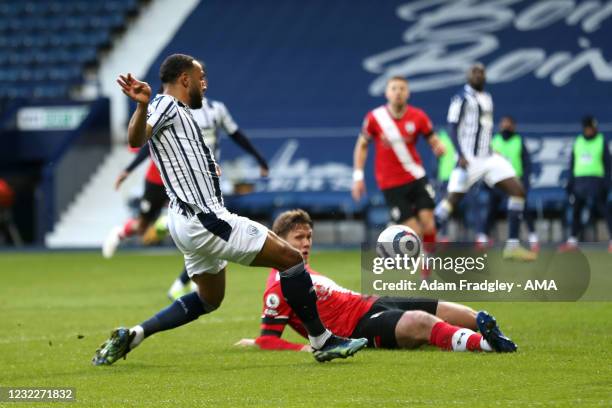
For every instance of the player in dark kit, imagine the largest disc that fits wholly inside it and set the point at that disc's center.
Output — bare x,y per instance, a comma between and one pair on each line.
589,180
386,322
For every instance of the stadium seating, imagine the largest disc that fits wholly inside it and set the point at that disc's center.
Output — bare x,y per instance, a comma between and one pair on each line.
45,46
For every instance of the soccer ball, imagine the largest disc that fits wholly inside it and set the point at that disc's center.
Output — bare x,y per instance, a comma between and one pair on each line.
398,240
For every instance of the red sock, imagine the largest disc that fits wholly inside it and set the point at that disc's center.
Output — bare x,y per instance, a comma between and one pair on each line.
449,337
429,242
129,228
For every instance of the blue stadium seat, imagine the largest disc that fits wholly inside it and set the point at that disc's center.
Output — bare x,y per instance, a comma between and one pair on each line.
54,40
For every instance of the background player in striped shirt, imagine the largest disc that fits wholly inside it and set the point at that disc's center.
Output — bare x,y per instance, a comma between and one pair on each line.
387,322
212,117
398,168
470,120
207,234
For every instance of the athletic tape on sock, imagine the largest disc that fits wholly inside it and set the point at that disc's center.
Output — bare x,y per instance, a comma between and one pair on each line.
516,203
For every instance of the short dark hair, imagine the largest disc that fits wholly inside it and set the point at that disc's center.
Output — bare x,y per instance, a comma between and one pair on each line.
173,66
589,121
288,220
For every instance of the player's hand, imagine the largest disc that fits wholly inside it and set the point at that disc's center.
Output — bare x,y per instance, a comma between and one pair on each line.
307,348
438,148
462,162
358,190
263,171
218,170
120,179
245,343
137,90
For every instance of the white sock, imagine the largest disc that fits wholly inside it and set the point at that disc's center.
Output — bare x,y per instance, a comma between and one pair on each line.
533,238
176,285
443,210
572,241
460,340
138,338
512,243
482,238
318,341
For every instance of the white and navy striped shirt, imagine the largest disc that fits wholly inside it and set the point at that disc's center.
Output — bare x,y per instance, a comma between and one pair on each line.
211,117
187,165
472,112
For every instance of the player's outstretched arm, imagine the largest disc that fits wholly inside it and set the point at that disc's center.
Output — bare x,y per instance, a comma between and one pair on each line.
360,155
270,342
142,155
138,130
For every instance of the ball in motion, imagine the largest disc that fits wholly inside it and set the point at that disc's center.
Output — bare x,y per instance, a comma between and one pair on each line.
398,240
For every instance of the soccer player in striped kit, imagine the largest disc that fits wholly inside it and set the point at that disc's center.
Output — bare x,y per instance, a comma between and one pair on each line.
207,234
394,128
470,119
211,118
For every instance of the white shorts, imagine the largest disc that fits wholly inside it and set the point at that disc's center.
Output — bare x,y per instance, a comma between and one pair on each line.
208,241
493,169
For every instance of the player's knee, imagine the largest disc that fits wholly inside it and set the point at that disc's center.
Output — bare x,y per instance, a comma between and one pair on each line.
211,303
414,328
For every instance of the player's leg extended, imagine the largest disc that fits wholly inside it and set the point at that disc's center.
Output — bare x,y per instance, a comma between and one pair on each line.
428,229
458,185
151,204
297,288
296,284
416,328
208,297
516,205
457,314
464,316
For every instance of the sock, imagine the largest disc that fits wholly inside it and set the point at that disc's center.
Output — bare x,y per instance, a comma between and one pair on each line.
443,210
128,229
429,242
516,206
182,311
533,238
184,277
138,336
449,337
512,243
572,241
482,238
300,294
319,341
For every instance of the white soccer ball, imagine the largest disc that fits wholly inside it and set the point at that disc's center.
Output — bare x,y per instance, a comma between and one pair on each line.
398,240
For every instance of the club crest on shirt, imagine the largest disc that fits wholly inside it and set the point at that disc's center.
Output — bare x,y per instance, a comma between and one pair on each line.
252,230
410,127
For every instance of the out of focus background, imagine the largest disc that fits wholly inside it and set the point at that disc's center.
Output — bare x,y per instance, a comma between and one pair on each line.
298,78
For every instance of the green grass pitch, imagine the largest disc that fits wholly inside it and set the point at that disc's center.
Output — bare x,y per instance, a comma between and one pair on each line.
56,308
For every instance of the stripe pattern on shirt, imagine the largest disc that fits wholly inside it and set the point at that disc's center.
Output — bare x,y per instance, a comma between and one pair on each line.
472,112
186,163
211,118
